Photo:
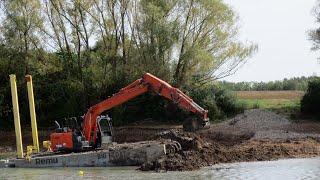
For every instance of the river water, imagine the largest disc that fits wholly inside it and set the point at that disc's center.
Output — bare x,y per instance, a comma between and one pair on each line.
282,169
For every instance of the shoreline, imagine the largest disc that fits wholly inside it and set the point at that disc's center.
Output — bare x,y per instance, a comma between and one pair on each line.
255,135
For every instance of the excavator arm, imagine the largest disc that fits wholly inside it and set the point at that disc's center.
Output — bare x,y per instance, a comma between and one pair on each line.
147,83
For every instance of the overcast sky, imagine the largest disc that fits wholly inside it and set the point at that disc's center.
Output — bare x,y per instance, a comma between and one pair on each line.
279,27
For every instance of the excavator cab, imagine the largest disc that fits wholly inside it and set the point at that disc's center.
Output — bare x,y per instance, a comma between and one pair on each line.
105,130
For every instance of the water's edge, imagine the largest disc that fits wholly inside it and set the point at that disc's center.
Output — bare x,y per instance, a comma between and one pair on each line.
308,168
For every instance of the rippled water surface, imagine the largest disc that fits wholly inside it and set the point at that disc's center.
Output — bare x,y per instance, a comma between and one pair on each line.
282,169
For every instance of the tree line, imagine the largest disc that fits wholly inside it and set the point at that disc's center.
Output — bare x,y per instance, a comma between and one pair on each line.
82,51
296,83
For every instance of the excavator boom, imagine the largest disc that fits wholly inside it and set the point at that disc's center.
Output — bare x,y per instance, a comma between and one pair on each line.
147,83
76,139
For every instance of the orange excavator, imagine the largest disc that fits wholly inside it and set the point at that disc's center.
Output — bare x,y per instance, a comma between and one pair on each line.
89,135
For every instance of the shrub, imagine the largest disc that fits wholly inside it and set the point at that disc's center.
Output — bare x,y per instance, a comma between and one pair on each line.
220,102
310,102
226,101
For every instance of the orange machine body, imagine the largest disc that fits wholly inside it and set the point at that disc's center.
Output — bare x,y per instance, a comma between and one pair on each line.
61,141
148,82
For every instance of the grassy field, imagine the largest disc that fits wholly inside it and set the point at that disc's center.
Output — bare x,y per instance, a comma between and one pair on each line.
281,101
269,94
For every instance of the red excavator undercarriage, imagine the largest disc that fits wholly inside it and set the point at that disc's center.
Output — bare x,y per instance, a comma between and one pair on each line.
74,138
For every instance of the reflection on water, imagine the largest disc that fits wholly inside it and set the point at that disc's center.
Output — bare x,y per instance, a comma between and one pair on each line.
283,169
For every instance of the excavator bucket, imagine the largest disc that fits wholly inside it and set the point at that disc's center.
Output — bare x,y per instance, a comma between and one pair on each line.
194,124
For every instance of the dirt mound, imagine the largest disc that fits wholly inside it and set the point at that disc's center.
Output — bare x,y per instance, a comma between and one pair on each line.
264,124
199,151
253,120
255,135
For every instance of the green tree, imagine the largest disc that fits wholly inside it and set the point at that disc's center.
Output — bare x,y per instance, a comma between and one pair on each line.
82,51
20,27
311,100
207,46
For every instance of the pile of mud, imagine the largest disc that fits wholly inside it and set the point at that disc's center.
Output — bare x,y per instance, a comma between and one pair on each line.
199,151
255,135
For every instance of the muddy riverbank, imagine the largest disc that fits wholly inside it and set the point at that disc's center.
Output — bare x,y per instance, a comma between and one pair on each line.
255,135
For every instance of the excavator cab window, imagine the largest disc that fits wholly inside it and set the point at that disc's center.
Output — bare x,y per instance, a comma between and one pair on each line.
106,129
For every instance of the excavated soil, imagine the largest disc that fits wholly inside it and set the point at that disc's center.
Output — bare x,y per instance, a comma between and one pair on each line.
255,135
202,151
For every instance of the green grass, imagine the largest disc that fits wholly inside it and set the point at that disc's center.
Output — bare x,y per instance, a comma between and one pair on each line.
283,106
269,103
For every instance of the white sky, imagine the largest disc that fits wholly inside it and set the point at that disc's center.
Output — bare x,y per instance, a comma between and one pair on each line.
279,27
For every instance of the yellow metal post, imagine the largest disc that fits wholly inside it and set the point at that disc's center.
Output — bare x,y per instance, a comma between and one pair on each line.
16,115
32,113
